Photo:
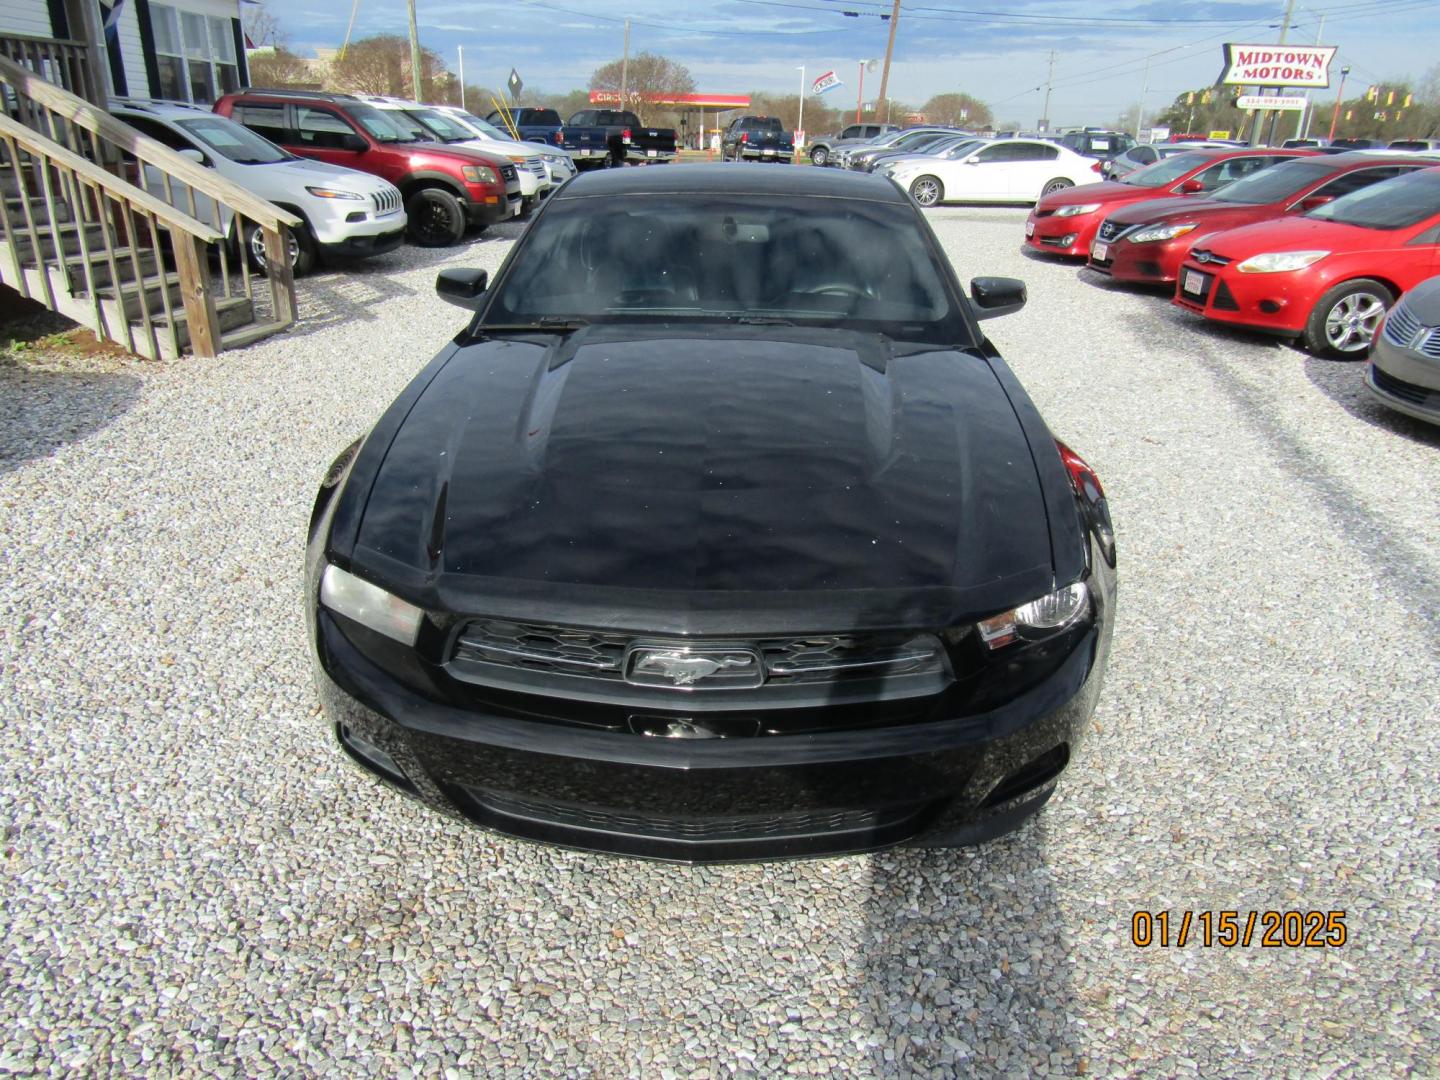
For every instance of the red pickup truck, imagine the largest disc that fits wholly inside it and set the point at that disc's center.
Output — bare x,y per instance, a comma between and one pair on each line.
446,188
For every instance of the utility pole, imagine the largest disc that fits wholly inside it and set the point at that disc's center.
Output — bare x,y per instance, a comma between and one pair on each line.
462,78
800,124
625,66
1144,90
1302,128
1049,78
1339,100
414,55
1260,114
889,49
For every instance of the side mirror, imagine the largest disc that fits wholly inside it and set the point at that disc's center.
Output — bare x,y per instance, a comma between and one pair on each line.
1314,202
994,296
189,153
463,288
1190,187
351,141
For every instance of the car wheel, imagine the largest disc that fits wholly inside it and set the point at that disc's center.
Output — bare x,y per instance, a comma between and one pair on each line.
1344,322
926,190
819,156
302,249
1058,184
436,218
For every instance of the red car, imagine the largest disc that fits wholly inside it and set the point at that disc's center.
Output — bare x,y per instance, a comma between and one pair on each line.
1146,243
1328,276
1065,223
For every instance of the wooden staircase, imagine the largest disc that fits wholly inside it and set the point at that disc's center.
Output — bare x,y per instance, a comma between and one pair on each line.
77,235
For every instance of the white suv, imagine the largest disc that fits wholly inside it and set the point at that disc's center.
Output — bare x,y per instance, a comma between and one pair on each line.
425,122
559,162
346,213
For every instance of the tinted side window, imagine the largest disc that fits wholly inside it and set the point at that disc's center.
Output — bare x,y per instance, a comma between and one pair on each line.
1354,181
266,120
321,128
851,132
159,132
1224,172
1034,152
1146,155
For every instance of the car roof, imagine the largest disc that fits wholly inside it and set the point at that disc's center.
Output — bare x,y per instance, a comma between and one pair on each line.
156,107
746,179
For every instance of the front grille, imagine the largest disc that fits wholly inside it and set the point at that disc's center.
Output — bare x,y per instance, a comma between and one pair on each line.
536,168
759,827
1405,391
1225,299
1404,329
601,656
1110,230
1209,258
507,172
385,202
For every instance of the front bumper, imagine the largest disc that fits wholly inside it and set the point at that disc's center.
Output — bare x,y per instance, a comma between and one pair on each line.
1404,380
1062,235
955,780
1155,263
1270,303
355,247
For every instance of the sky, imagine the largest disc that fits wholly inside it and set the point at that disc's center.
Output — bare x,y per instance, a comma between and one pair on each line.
997,50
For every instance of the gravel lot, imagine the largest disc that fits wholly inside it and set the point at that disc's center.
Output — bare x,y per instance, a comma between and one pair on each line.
197,882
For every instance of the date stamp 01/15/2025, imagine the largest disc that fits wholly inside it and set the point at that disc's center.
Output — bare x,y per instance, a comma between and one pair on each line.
1229,929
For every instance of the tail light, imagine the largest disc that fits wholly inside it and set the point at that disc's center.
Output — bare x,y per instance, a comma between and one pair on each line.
1099,167
744,136
559,138
1082,477
625,135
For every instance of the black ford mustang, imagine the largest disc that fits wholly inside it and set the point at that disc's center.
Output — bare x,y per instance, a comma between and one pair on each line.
721,532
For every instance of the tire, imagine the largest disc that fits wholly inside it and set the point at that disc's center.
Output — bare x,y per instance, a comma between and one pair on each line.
436,218
302,250
1058,184
819,155
1344,321
927,190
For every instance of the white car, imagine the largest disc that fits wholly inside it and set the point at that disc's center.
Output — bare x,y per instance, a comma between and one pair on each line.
427,122
559,162
346,212
1004,171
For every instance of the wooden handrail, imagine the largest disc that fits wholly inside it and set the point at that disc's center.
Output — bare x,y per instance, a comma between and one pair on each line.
141,199
80,112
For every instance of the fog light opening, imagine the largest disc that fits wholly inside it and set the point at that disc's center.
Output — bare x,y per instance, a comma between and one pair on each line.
1270,307
372,757
1035,773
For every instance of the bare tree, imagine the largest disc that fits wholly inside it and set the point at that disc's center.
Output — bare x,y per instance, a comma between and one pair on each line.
261,26
278,66
650,78
381,65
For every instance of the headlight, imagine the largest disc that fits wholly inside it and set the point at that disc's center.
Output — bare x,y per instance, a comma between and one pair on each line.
332,193
1076,211
1278,262
479,174
370,605
1038,619
1160,232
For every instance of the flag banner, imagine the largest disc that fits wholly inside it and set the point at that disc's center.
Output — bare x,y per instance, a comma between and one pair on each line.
828,81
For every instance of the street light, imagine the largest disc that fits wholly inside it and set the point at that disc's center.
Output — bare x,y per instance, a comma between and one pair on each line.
1339,98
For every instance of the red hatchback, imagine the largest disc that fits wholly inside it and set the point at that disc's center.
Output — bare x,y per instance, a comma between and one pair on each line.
1065,222
1146,243
1328,276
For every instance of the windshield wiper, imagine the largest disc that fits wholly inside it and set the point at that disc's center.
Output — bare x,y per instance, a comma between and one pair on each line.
555,324
763,320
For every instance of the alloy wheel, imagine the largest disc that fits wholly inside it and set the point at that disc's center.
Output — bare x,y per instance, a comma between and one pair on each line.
926,191
1351,324
257,247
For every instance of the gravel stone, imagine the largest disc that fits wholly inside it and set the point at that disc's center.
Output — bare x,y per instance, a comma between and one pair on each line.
197,883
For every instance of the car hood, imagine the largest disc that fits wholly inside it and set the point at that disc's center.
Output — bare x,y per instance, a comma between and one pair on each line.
1156,210
466,155
1298,234
303,170
685,477
1104,192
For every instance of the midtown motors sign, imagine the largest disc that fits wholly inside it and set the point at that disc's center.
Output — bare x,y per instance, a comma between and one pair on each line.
1278,65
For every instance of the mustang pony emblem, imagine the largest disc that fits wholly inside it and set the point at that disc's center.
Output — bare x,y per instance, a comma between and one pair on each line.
686,669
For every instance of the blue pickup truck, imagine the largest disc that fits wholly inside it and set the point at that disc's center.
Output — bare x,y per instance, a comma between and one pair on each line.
533,125
757,138
612,137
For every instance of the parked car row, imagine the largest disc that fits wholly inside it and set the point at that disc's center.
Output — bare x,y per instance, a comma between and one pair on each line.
1306,246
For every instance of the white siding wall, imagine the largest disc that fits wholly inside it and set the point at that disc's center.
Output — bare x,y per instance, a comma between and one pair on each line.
130,48
30,17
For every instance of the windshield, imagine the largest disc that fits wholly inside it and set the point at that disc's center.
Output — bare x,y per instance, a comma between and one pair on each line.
234,141
437,123
409,126
1165,171
484,126
961,149
1275,183
708,258
945,145
1391,204
538,116
380,125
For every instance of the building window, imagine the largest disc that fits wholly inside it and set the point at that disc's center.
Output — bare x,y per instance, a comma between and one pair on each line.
194,55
